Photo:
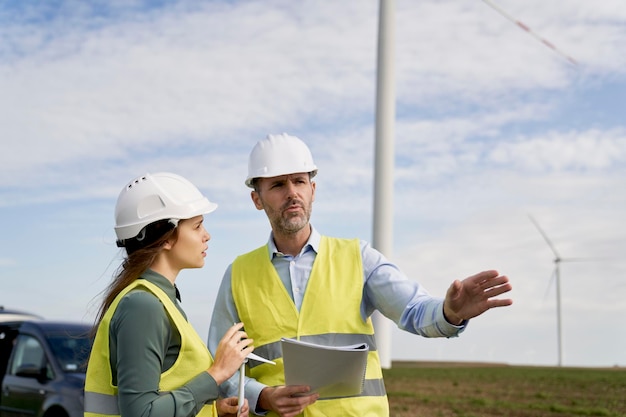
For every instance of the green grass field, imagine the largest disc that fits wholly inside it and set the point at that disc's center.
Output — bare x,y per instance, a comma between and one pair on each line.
480,390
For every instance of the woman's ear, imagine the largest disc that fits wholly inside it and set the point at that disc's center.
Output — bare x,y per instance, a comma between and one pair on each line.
168,244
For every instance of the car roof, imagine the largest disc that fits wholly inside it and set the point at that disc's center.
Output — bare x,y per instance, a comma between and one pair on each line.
55,326
16,316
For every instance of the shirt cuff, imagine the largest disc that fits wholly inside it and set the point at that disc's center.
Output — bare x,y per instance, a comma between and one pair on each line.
253,391
203,388
448,329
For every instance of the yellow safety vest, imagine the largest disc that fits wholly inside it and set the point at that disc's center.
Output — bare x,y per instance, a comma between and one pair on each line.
193,358
330,312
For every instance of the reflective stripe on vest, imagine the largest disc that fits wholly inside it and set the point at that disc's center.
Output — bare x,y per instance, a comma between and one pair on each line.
97,403
330,313
100,393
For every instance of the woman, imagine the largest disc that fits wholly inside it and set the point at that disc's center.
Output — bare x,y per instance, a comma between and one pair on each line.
147,360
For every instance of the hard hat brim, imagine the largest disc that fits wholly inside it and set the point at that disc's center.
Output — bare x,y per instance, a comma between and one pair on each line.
250,180
201,207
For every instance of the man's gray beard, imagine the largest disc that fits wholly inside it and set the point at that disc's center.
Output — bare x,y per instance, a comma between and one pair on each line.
289,227
293,224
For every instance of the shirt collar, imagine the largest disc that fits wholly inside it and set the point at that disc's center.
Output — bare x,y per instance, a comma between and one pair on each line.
313,243
161,282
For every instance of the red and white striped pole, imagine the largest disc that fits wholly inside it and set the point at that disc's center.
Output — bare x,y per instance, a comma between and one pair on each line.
529,30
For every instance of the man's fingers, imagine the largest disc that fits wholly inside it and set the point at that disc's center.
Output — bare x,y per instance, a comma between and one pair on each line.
496,290
484,275
500,302
292,399
455,289
292,390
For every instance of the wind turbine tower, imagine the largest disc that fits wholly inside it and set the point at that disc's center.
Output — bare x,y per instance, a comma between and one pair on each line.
384,161
557,275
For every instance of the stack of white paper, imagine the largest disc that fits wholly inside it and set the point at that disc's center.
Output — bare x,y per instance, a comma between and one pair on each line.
331,371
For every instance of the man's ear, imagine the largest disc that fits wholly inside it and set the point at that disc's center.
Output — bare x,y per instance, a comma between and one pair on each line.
313,191
256,199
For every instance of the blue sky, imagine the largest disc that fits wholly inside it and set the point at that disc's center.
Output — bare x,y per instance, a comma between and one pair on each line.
491,127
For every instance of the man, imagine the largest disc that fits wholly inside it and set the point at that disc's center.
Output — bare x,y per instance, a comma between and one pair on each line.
304,285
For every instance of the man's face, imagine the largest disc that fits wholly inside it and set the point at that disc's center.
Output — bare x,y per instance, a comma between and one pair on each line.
287,201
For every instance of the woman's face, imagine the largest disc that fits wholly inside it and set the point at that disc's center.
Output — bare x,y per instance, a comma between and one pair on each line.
190,247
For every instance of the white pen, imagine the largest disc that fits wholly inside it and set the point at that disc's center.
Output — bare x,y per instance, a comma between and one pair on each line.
242,371
240,399
242,374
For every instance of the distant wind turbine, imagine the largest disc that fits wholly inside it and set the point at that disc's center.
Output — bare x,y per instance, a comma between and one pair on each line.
557,274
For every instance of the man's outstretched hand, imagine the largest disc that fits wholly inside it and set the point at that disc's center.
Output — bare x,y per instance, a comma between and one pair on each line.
474,295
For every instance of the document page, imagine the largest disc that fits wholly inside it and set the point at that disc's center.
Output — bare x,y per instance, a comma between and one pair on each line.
331,371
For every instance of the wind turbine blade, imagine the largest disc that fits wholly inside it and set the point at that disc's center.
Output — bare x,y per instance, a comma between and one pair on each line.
530,31
591,259
552,279
256,357
545,236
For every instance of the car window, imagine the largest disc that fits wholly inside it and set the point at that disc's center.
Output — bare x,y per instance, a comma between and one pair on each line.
28,353
72,351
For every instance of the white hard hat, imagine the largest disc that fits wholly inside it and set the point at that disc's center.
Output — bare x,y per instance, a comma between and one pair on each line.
279,155
154,197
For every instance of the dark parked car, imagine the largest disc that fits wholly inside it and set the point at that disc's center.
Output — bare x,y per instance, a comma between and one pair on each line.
10,320
45,372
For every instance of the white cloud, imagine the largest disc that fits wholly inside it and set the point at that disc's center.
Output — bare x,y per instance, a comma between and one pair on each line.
572,151
7,262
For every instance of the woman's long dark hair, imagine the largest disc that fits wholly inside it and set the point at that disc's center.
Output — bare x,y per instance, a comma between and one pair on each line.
139,258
